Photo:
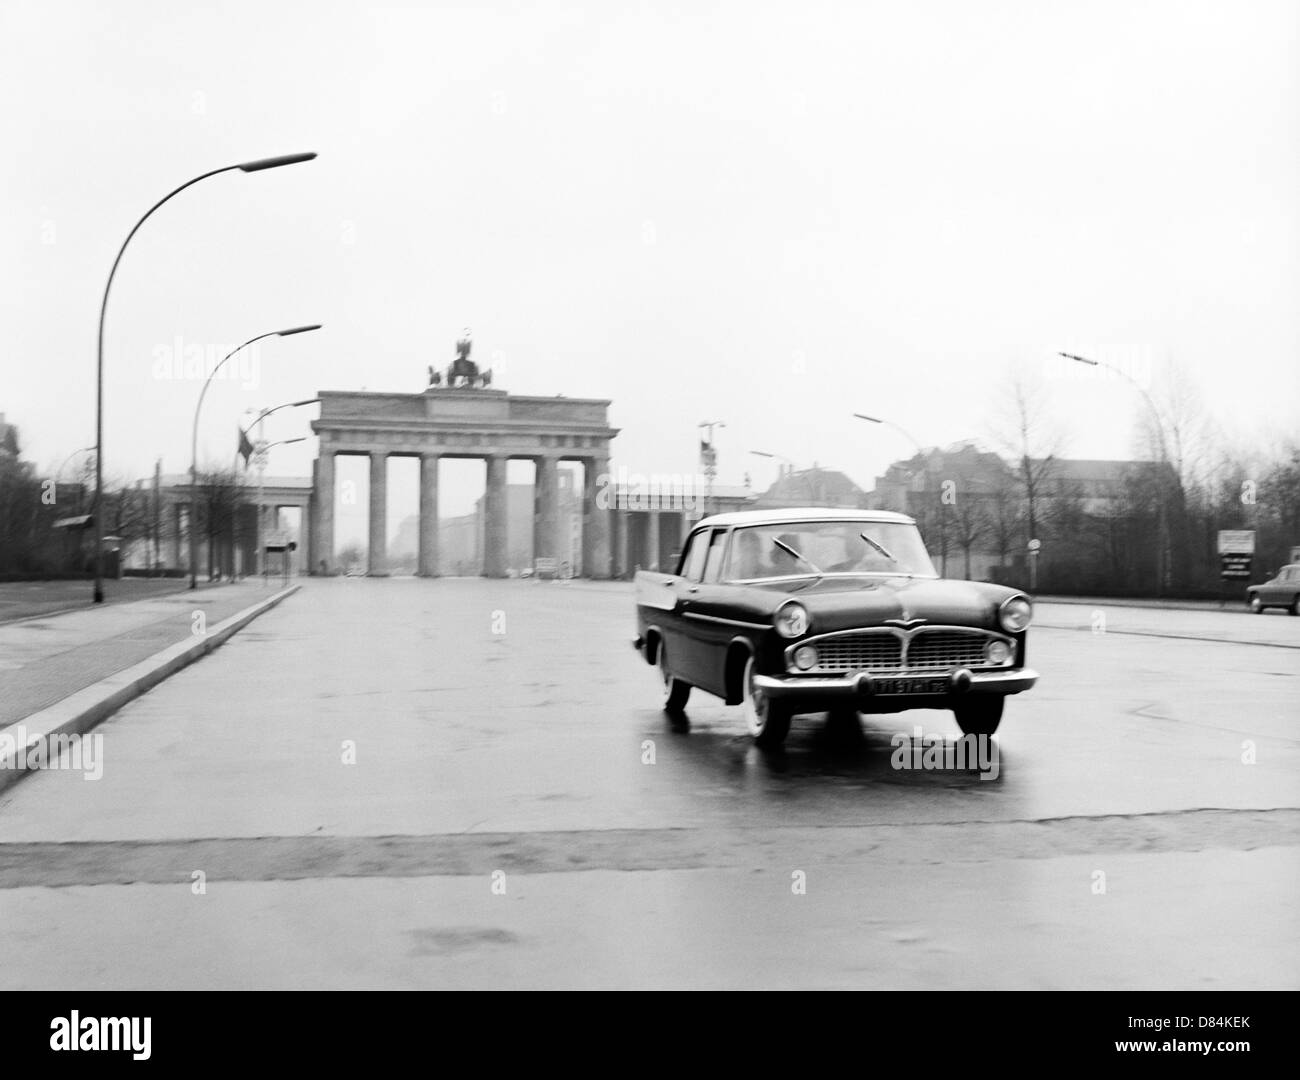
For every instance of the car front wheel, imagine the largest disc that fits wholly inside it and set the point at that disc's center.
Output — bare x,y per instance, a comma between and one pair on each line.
1255,605
675,691
980,715
768,718
1295,605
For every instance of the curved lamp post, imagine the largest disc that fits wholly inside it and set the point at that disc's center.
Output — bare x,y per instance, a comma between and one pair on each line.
267,412
58,475
920,451
194,442
248,167
1162,556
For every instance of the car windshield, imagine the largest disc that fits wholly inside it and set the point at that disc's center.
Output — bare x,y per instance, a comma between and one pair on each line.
827,547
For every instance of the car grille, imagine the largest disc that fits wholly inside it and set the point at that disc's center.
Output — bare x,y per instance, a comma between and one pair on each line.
859,652
879,651
945,650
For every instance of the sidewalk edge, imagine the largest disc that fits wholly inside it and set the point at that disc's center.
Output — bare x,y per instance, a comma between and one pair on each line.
78,713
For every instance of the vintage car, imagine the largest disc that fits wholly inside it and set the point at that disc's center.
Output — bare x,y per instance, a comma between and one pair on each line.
785,612
1282,591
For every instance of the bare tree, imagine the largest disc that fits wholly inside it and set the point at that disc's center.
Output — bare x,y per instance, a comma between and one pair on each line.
1031,438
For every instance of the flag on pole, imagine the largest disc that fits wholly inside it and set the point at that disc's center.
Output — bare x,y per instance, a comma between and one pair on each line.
245,447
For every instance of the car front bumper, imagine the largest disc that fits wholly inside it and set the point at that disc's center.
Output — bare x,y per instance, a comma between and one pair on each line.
863,687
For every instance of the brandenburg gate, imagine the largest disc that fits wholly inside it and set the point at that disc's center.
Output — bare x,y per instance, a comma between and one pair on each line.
462,417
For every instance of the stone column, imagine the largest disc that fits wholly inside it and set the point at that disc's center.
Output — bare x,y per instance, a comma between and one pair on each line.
322,548
428,561
547,541
378,561
622,522
595,520
495,514
652,540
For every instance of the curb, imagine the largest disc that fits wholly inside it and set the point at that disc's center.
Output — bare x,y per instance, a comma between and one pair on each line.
1232,607
78,713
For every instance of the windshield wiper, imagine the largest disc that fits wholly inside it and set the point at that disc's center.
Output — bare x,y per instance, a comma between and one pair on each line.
879,547
791,551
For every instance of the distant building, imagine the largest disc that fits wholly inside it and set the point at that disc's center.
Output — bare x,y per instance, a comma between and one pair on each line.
972,509
1100,487
811,487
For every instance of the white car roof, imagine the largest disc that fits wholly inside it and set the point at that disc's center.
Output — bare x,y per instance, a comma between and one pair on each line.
803,513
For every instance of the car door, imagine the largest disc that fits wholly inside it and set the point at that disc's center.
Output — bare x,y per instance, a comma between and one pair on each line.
1290,579
1275,590
707,637
663,597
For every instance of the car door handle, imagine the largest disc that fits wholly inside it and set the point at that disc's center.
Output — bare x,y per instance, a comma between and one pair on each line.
693,589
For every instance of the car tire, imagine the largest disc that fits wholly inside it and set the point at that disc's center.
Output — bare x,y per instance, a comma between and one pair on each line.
1295,605
1255,606
980,715
768,719
676,692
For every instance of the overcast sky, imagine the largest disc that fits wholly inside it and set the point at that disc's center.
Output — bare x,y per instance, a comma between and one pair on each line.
769,214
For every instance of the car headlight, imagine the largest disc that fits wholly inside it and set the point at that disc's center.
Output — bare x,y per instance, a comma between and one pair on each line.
1015,614
792,619
805,658
997,652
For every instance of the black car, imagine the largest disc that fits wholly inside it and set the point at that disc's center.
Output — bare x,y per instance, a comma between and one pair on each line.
1282,591
791,611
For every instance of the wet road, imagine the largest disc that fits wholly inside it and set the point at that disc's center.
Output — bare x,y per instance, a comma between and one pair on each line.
467,783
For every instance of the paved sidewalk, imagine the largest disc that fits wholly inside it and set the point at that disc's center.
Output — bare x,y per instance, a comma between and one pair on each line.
47,659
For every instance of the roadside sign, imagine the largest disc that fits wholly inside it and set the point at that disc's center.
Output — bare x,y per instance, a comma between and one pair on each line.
1236,541
1235,566
1035,545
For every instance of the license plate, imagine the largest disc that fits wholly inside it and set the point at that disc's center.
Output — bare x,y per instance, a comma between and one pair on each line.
931,685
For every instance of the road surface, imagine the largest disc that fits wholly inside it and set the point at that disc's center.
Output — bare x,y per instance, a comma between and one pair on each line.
466,783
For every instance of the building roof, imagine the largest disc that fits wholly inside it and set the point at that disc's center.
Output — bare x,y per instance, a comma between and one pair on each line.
802,486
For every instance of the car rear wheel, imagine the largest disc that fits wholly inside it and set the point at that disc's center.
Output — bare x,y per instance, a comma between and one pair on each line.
1295,605
768,718
1255,605
675,691
980,715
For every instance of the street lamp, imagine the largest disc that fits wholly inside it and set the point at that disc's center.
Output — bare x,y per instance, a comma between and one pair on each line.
248,167
920,450
194,440
1163,553
267,412
889,423
59,473
709,456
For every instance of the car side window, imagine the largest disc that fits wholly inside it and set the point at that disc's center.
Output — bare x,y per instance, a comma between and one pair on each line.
691,566
717,549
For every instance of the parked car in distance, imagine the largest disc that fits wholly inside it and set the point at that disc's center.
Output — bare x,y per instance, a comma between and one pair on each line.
1282,591
792,611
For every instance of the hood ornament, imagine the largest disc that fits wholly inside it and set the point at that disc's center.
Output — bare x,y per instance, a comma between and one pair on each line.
905,623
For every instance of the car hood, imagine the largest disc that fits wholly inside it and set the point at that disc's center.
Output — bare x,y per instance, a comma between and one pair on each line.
845,603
